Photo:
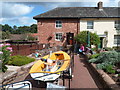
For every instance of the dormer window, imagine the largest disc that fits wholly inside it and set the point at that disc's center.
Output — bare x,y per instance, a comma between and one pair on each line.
58,24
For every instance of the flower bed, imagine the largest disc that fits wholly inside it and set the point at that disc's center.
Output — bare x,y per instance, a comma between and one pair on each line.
109,62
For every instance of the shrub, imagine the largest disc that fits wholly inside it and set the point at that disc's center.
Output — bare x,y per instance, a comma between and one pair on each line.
94,49
109,69
105,59
108,48
82,38
20,60
5,52
117,48
94,56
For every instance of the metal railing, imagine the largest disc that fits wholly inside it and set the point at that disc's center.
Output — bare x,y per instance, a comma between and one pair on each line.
30,79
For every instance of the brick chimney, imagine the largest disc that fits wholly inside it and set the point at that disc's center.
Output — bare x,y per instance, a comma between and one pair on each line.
100,5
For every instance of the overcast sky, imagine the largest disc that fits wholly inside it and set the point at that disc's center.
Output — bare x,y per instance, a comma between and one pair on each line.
21,13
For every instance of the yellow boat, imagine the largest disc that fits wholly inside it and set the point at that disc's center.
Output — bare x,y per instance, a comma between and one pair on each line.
41,70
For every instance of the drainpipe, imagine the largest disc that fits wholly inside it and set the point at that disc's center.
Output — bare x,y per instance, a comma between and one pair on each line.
78,26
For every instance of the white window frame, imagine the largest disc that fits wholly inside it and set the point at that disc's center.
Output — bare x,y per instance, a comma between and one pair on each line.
58,24
92,25
59,38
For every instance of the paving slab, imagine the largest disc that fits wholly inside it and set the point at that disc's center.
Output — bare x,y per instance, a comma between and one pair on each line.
12,68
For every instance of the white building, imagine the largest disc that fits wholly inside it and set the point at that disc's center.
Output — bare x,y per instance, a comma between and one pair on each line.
106,28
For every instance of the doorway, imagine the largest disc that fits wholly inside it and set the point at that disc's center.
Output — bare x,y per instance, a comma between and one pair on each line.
70,38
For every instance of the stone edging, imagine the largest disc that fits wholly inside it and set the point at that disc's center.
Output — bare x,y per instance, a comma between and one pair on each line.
21,71
107,79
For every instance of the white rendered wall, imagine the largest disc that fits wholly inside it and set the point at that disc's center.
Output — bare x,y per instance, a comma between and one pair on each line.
101,26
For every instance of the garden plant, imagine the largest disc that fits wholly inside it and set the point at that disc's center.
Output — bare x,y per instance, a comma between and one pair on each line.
19,60
82,38
105,59
5,52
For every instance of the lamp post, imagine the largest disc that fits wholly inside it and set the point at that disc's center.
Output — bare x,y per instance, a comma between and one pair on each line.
118,39
88,39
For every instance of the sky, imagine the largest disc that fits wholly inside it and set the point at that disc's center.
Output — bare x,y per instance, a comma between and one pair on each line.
21,12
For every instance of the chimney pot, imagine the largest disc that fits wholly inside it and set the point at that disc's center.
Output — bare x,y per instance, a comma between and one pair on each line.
100,5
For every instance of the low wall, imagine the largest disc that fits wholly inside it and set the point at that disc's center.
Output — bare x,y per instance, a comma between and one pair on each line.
10,76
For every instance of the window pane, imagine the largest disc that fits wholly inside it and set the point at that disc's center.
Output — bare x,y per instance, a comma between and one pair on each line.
117,39
89,27
58,36
89,24
58,24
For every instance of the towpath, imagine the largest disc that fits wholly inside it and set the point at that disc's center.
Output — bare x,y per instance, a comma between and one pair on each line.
82,77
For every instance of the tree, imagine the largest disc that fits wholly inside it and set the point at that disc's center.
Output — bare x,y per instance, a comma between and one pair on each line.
33,28
5,35
22,30
15,27
6,27
82,38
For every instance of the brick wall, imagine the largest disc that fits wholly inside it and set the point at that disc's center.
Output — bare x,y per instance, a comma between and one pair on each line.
46,28
25,49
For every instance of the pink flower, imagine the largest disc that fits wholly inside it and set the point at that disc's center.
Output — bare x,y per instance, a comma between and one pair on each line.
1,52
1,45
7,44
9,48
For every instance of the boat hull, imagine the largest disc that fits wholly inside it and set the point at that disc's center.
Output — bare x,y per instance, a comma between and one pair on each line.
44,76
39,71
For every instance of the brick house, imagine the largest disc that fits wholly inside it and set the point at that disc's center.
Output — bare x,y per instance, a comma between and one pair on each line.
55,24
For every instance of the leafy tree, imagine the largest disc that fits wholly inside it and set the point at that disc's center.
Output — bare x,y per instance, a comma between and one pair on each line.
15,27
20,29
33,28
1,27
6,27
82,38
94,39
5,35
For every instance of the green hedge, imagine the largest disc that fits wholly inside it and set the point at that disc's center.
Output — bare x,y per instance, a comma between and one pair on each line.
20,60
